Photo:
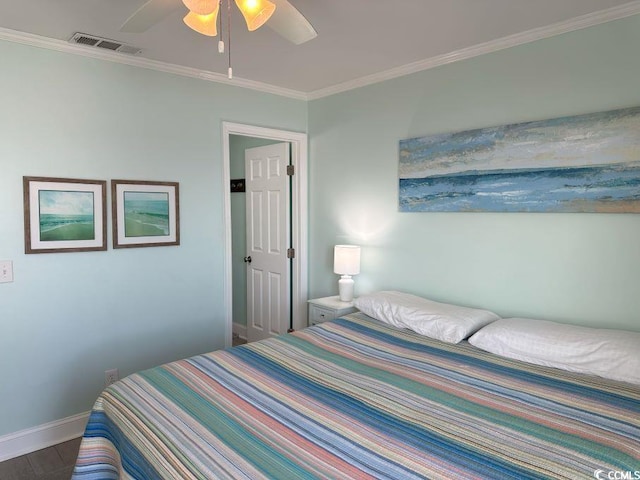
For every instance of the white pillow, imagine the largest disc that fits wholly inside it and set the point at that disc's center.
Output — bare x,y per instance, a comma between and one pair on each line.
613,354
442,321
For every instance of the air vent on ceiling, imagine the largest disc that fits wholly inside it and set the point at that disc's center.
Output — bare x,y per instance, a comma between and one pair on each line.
98,42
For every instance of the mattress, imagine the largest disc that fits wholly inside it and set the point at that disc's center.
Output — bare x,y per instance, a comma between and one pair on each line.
355,398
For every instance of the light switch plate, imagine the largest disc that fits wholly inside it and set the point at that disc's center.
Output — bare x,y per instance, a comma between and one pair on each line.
6,271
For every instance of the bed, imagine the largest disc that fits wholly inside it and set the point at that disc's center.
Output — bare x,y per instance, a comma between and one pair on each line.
358,398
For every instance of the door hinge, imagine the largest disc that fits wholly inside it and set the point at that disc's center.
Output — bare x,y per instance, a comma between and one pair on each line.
291,253
290,170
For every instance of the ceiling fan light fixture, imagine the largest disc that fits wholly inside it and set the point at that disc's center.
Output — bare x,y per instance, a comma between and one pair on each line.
202,7
256,12
204,24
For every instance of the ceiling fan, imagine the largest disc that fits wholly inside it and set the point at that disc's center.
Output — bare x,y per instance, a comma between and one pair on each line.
282,17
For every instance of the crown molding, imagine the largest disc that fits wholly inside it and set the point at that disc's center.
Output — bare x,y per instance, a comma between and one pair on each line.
577,23
132,60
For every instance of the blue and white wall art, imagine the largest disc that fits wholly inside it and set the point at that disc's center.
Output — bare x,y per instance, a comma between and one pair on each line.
585,163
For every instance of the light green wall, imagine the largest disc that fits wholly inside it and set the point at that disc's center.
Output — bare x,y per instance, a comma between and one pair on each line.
237,145
582,268
68,317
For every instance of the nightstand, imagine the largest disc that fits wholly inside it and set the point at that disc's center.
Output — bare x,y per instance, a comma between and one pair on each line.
328,308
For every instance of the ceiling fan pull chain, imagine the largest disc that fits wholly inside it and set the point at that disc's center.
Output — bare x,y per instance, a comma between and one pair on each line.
220,41
230,71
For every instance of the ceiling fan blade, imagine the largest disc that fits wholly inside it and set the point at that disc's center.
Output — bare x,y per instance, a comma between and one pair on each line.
290,23
149,14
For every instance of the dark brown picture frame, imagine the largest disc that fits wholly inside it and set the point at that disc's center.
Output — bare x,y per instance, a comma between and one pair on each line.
63,215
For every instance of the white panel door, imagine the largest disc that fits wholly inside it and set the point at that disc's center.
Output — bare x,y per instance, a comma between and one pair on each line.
267,190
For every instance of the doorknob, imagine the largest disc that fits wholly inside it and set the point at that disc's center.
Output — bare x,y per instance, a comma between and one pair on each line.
247,259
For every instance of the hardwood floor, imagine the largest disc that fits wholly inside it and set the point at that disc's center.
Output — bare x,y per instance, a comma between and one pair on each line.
238,341
53,463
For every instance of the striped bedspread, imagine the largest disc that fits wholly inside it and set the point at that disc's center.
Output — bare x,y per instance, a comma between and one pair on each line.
355,398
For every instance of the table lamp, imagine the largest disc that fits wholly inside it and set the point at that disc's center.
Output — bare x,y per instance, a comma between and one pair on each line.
346,262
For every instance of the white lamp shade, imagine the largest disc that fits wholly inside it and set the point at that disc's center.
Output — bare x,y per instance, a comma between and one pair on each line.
346,260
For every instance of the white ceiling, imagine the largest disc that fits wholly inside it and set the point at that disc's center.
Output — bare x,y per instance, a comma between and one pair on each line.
359,41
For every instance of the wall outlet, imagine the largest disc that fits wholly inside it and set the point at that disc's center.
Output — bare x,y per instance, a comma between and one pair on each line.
6,271
110,376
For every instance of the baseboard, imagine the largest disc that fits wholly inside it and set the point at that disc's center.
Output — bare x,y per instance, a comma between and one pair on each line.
240,330
43,436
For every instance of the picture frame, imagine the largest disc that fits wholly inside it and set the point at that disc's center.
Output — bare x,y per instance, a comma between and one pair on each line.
145,213
64,215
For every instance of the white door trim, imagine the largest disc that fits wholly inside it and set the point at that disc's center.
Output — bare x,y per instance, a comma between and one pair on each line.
299,158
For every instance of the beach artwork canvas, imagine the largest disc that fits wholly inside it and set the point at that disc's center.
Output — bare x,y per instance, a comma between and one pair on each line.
145,213
64,215
585,163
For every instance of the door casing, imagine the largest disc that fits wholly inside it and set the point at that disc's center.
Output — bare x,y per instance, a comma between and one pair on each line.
299,159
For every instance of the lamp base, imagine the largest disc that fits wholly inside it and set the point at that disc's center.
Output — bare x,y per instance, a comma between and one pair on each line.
345,288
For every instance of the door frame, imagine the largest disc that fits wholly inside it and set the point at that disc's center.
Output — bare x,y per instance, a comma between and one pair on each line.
299,159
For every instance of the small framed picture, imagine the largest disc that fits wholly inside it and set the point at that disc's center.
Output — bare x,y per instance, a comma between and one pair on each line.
64,215
145,214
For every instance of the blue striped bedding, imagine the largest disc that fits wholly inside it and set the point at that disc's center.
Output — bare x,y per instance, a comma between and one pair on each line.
355,398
